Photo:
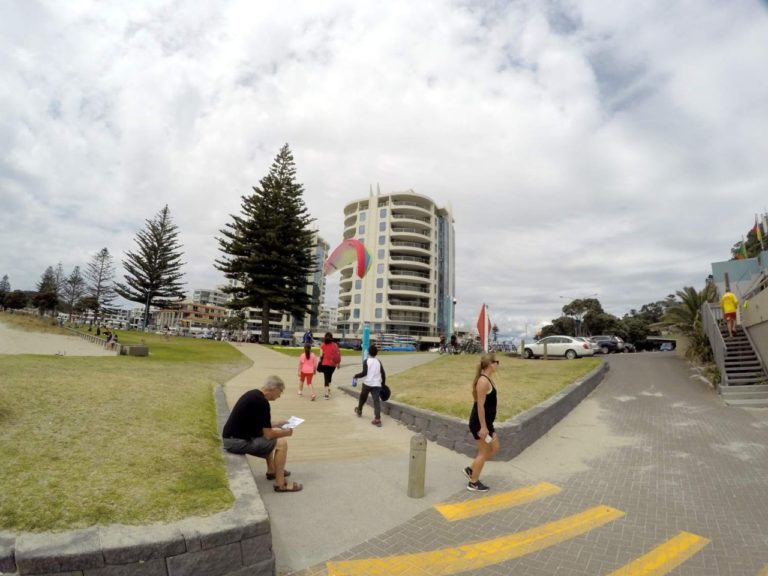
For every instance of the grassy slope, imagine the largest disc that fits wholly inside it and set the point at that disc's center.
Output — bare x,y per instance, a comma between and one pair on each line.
89,441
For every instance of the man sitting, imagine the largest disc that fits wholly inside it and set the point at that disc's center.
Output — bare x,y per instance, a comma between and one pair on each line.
249,430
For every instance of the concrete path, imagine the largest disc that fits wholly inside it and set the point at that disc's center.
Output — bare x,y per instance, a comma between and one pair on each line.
355,475
651,469
652,474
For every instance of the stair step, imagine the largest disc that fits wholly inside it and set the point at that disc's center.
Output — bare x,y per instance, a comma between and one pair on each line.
754,402
745,381
747,388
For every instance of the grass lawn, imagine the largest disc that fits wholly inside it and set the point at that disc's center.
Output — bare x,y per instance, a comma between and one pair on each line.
445,384
87,441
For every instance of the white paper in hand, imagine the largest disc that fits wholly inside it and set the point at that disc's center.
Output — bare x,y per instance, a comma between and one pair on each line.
293,421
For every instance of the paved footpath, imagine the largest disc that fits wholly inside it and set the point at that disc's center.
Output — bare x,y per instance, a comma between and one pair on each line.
651,474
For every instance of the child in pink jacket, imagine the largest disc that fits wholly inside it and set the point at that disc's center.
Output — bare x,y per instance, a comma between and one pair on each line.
307,369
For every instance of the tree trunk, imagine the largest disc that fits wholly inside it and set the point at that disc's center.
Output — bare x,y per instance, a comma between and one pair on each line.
265,323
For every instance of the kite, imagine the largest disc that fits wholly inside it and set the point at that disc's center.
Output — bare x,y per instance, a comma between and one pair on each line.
346,253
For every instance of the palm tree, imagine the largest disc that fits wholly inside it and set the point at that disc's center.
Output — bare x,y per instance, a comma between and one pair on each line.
684,316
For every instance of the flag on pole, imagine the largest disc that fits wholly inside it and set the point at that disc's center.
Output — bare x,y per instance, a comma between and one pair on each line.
484,327
742,250
758,232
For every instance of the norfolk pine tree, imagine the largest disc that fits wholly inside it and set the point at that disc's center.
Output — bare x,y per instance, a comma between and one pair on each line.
47,292
268,247
99,274
153,272
5,288
73,289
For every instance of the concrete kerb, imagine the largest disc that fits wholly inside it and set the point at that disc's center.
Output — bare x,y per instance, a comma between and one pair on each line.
515,435
230,543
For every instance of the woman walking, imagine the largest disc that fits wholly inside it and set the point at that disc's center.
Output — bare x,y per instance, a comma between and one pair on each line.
374,375
330,360
307,369
481,421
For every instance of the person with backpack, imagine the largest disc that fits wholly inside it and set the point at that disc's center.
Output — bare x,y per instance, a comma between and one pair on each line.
330,359
375,378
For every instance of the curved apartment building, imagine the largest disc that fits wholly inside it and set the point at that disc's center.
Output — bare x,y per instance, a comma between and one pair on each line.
409,287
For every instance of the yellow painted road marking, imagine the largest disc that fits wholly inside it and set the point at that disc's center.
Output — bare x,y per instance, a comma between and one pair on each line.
665,557
478,506
480,554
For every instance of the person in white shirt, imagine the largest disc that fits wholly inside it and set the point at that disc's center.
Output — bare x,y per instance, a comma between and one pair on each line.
374,377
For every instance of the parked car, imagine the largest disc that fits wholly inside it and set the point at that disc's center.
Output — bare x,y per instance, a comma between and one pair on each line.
609,344
666,347
629,347
565,346
349,345
592,344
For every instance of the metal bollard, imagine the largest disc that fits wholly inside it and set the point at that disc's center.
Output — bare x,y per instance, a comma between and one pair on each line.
522,348
417,466
545,351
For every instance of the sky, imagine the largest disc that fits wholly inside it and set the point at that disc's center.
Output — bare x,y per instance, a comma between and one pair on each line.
585,147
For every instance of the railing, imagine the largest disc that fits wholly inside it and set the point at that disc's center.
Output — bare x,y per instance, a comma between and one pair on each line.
409,231
416,303
95,339
404,244
409,217
399,258
409,287
414,204
711,314
408,273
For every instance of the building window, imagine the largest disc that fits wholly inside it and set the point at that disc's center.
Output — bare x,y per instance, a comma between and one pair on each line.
357,298
361,229
361,217
382,240
379,297
356,313
377,327
358,284
382,226
381,253
379,282
380,269
378,312
383,213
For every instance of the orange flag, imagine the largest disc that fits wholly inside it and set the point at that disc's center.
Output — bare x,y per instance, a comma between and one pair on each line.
484,326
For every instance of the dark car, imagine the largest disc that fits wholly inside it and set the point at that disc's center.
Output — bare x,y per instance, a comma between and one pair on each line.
609,344
349,345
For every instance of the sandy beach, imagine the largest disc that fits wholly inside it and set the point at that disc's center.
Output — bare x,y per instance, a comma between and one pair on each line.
22,342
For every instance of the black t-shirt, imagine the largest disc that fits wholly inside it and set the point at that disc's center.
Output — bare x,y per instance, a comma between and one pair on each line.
249,417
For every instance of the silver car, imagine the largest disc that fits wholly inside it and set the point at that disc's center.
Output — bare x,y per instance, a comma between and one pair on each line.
565,346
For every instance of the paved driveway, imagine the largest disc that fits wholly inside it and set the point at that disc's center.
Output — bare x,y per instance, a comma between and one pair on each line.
651,474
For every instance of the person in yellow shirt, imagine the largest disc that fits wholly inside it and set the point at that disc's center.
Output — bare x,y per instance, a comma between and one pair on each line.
729,304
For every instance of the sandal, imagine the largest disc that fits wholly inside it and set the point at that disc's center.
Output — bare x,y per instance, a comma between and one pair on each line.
292,487
272,476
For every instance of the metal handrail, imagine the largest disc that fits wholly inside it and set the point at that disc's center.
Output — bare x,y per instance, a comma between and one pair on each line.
410,231
401,258
711,314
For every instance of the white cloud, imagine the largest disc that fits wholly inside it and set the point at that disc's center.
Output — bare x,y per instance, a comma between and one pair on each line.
585,147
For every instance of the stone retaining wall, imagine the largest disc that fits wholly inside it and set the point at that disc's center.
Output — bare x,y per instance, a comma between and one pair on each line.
231,543
515,435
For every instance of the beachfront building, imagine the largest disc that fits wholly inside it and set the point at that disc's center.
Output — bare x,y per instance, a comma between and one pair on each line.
409,287
210,296
187,316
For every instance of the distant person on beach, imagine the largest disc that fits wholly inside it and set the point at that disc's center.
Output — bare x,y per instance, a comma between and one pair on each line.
729,303
330,359
481,421
250,430
307,369
374,376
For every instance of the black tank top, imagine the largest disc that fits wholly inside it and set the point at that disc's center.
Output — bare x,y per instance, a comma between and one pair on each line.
490,410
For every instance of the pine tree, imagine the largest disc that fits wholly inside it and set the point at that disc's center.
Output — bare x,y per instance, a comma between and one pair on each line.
100,273
153,273
268,247
47,297
73,289
5,289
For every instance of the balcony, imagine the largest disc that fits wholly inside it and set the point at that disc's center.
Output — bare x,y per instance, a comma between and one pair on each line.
405,246
412,274
408,287
406,233
408,303
402,258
